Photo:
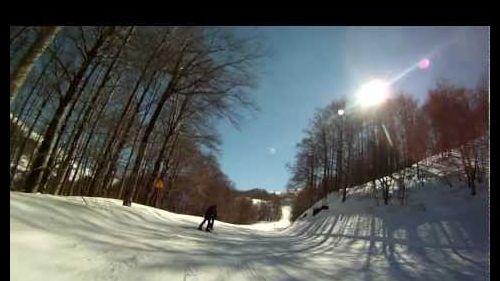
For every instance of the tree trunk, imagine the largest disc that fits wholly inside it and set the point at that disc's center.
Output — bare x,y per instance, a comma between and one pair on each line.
26,63
473,187
130,192
107,153
25,140
55,154
81,190
17,126
87,114
40,162
122,138
90,134
78,166
174,126
17,34
25,106
122,183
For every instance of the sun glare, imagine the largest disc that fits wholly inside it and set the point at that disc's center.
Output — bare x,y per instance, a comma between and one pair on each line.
373,93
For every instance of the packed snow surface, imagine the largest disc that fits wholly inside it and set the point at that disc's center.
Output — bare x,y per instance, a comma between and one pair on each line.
441,234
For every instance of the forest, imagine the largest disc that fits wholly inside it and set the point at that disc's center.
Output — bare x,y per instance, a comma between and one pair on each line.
130,113
384,145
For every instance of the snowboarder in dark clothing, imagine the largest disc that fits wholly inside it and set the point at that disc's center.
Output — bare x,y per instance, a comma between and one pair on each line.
210,216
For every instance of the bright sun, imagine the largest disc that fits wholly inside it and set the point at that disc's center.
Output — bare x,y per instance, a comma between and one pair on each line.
373,93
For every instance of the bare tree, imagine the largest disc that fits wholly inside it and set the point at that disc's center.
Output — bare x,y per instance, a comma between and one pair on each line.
41,159
28,60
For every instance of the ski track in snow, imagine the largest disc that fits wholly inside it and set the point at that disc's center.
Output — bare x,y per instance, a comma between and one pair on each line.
68,238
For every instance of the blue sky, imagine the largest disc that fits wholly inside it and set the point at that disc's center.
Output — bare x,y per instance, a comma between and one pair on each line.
308,67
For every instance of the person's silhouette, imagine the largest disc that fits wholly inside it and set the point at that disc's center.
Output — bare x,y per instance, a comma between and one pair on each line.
210,216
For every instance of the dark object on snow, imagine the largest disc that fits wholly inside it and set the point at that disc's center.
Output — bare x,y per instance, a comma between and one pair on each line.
305,215
210,216
317,210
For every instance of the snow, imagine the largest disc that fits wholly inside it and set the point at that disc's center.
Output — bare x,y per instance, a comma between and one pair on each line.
23,163
283,223
257,201
34,136
441,234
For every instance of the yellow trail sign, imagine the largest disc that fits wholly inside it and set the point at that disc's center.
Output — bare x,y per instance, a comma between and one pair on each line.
159,184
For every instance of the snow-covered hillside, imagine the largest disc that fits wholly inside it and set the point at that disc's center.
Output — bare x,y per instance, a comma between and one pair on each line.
24,160
441,235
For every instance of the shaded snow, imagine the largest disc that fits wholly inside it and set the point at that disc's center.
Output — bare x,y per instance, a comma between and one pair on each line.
75,238
441,234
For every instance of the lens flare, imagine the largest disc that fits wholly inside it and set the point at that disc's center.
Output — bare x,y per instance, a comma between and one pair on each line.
424,64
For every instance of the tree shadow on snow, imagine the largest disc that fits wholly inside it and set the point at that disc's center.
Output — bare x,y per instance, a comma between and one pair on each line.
334,246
